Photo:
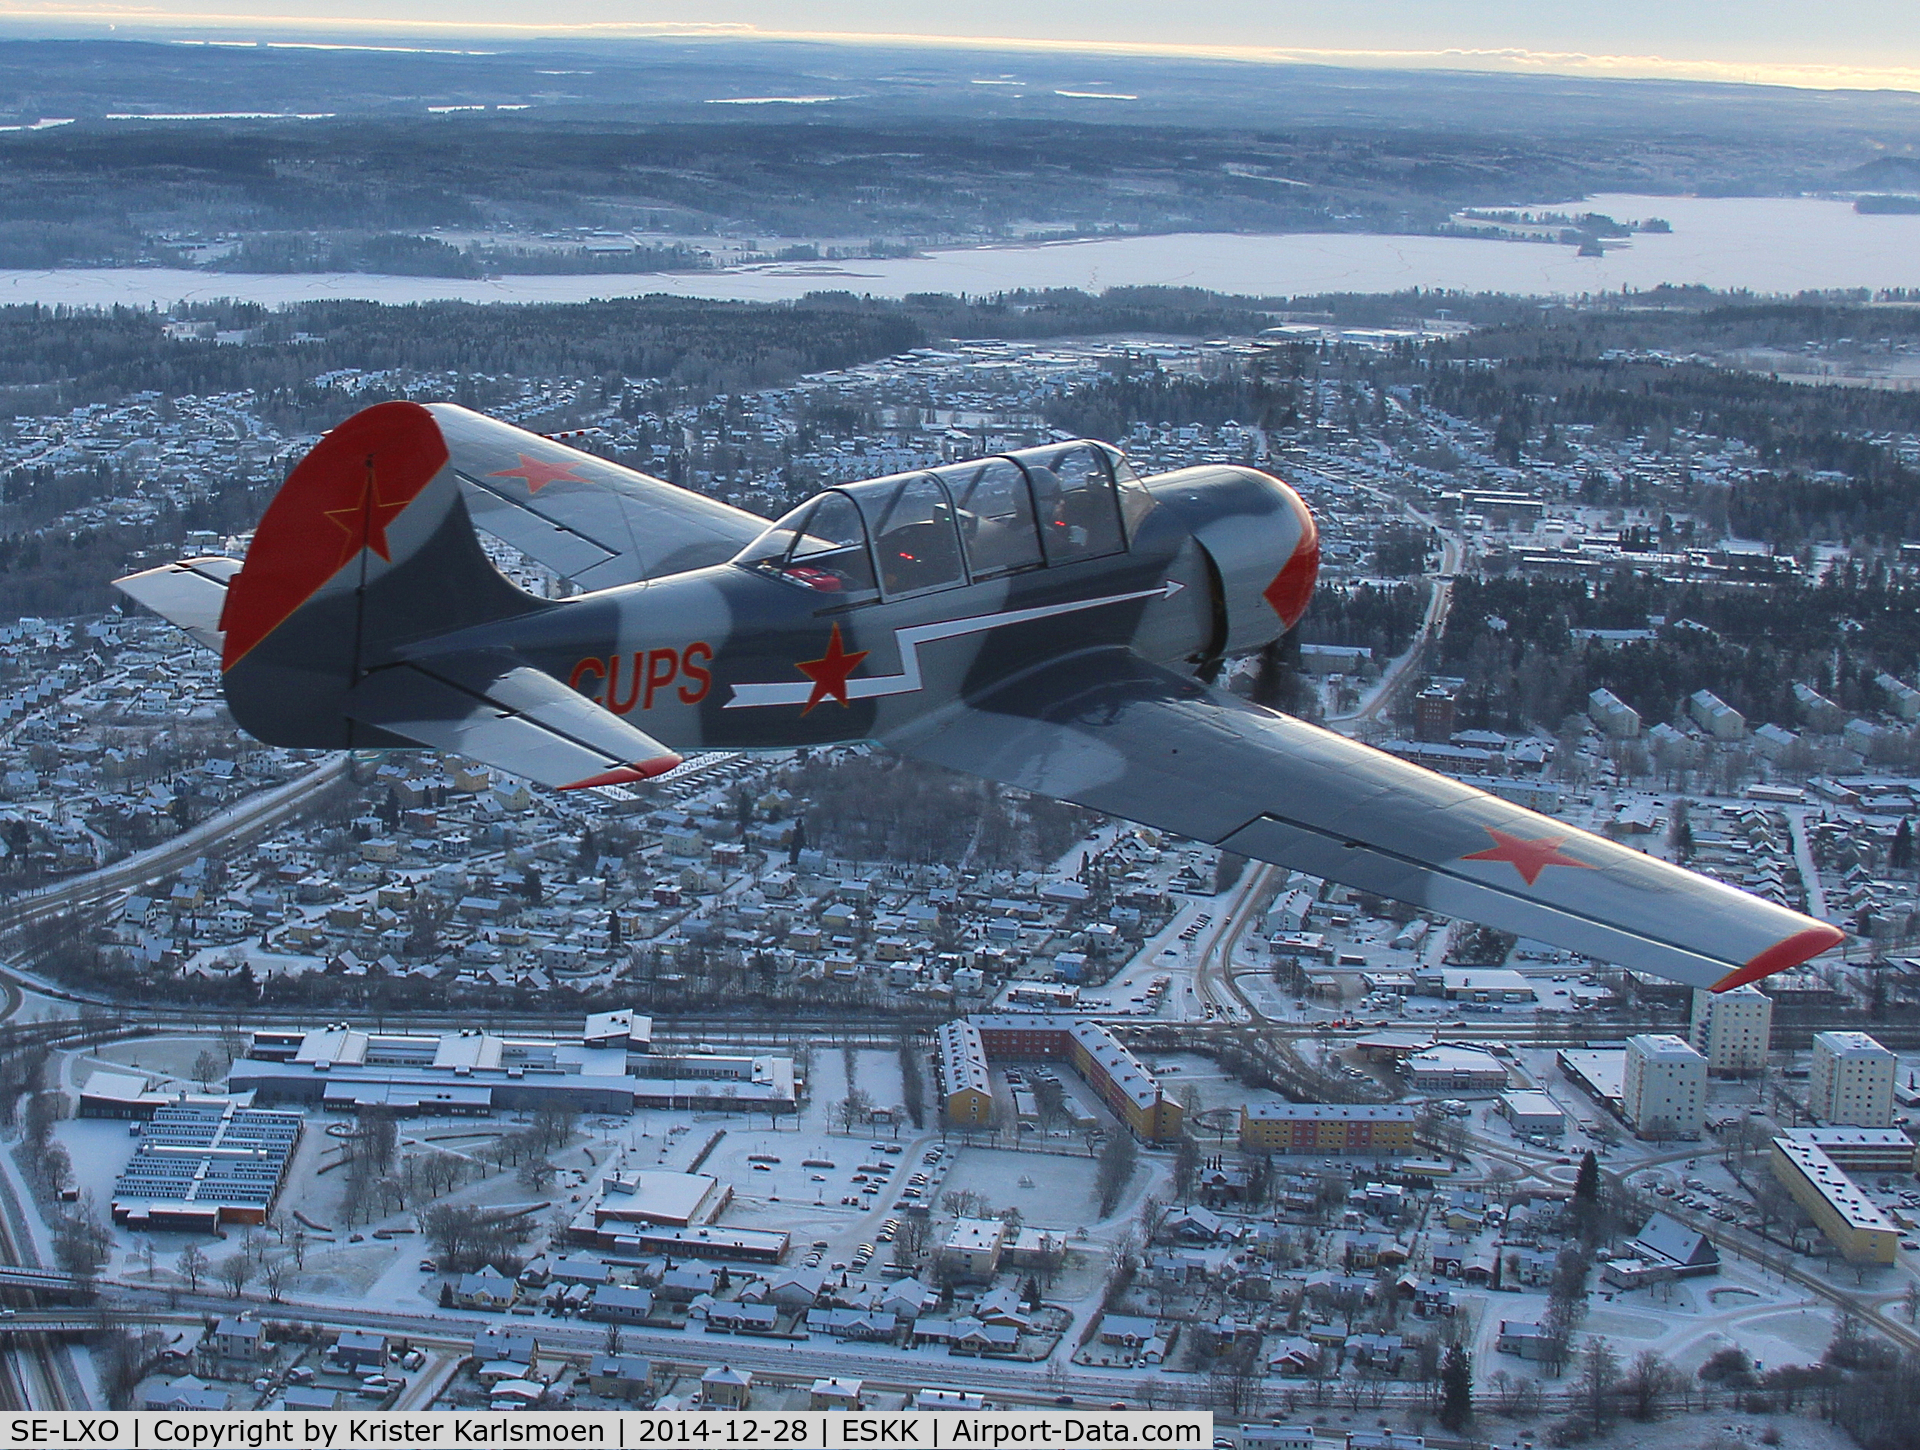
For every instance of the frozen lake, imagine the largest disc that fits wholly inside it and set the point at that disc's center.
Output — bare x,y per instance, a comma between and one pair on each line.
1771,245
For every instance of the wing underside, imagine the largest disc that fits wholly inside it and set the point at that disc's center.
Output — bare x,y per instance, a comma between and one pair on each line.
1116,733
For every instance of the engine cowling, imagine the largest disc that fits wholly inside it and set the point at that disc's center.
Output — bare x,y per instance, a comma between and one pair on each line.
1263,545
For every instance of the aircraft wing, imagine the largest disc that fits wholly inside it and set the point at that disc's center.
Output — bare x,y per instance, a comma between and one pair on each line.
1112,731
492,707
590,521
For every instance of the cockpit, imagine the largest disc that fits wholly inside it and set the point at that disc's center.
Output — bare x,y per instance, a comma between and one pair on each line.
912,533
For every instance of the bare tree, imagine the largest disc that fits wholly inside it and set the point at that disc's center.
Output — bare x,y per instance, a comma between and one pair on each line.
236,1272
910,1242
123,1359
1115,1171
1599,1380
1649,1380
274,1274
192,1266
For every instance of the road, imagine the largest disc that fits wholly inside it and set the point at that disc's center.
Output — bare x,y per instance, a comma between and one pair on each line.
1215,959
1432,624
243,822
1803,859
454,1329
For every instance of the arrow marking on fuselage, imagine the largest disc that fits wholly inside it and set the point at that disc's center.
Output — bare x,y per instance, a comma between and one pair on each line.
909,639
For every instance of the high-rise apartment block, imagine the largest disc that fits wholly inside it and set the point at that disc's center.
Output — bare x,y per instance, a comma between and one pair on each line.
1664,1088
1730,1030
1851,1083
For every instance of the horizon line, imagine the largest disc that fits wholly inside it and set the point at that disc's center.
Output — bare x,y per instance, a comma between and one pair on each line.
1508,61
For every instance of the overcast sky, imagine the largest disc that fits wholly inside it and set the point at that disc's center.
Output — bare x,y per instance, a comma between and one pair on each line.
1832,42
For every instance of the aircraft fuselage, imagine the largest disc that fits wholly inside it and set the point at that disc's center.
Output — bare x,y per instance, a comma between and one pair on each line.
739,656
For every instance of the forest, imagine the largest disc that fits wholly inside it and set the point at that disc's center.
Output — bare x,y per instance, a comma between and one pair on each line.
1826,463
52,359
1509,639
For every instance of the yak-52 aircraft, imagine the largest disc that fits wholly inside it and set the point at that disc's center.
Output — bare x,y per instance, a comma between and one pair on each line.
1045,619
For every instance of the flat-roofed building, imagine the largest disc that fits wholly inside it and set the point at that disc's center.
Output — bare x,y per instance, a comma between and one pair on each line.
973,1247
1836,1204
1731,1030
200,1165
1850,1083
653,1196
1597,1071
1455,1066
1532,1111
966,1088
706,1241
609,1068
1663,1091
1862,1150
1361,1130
1102,1061
1481,984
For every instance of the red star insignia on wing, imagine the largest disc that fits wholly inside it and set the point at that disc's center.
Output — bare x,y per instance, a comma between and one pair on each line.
537,474
1529,858
829,672
365,521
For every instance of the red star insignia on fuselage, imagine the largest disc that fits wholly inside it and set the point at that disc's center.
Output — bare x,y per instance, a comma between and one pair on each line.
1529,858
365,521
829,672
537,474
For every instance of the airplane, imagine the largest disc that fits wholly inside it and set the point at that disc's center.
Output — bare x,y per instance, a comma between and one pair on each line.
1045,619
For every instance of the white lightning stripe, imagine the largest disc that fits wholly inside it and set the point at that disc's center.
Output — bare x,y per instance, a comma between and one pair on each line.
909,640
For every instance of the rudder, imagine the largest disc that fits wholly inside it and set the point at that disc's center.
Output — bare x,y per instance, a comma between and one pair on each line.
366,547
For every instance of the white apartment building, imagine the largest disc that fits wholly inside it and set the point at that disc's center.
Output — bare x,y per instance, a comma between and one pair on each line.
1851,1084
1663,1091
1614,716
1715,716
1731,1029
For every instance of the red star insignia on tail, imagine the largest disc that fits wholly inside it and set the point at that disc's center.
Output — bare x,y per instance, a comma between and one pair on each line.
829,672
364,521
537,475
1529,858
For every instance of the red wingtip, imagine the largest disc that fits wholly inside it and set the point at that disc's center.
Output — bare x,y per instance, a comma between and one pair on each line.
628,774
1796,949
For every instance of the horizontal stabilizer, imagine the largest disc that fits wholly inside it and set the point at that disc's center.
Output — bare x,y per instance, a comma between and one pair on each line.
191,593
500,711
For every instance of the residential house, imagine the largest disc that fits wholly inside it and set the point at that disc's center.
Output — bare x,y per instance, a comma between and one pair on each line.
359,1350
1523,1338
621,1304
724,1385
835,1394
234,1341
488,1289
619,1376
874,1325
185,1393
508,1346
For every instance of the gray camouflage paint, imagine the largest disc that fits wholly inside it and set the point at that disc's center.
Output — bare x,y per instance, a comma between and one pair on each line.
1082,680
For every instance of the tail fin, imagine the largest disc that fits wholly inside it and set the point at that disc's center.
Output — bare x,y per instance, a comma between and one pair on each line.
366,548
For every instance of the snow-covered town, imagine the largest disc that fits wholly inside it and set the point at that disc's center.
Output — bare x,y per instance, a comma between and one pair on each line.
819,1079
